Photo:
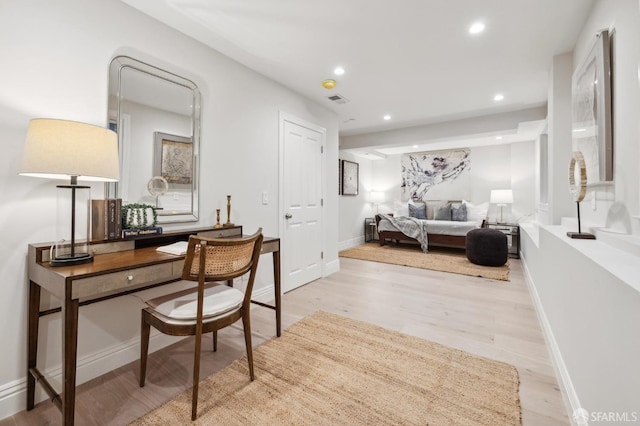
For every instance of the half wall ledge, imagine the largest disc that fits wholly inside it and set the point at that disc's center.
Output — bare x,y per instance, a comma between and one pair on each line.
616,253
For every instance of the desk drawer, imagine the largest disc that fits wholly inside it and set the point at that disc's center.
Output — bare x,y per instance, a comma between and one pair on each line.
107,283
222,233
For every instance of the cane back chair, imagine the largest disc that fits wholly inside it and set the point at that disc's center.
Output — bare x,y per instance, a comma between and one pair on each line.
210,304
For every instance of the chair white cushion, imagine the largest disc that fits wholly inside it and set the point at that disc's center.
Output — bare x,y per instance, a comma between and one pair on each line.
182,305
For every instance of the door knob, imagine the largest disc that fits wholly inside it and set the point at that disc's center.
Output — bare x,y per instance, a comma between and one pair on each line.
288,216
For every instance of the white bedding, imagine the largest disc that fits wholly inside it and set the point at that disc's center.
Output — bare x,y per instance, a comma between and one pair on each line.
440,227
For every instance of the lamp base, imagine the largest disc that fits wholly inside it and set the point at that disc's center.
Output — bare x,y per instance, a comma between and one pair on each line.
67,260
581,235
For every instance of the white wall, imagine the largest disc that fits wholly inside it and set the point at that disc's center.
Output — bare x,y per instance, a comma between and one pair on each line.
57,56
587,292
491,167
523,180
353,209
559,141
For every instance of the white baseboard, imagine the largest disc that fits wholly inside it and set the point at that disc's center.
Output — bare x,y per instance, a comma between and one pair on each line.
353,242
13,395
264,294
569,394
331,267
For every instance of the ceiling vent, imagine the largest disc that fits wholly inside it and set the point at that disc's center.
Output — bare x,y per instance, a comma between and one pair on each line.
339,99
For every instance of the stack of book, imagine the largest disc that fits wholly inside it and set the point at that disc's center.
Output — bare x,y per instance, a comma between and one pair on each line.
150,230
106,219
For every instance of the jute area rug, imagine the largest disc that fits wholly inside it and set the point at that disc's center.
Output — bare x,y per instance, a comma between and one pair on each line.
330,370
445,260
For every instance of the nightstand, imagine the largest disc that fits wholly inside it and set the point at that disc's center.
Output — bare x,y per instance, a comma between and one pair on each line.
512,231
370,231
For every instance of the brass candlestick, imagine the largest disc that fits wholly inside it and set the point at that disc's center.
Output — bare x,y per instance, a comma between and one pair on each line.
217,225
229,212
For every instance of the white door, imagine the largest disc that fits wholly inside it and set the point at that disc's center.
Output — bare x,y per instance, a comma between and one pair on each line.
302,202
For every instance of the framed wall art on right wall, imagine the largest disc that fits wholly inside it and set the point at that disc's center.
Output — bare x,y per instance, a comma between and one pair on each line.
591,128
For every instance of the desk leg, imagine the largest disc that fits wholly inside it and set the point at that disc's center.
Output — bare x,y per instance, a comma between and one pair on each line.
32,341
278,290
70,339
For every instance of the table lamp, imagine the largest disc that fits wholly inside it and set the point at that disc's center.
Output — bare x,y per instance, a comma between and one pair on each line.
377,197
501,197
60,149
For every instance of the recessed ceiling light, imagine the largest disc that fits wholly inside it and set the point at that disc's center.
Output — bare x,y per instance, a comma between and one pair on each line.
387,117
476,28
415,146
498,97
338,71
499,138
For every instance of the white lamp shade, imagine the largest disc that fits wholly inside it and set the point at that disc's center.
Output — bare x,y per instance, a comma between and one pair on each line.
501,196
377,196
60,149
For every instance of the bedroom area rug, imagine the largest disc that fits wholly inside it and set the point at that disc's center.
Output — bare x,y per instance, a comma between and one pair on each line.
444,260
328,370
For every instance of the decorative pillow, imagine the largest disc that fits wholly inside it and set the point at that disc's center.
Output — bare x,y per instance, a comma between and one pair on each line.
476,212
432,206
419,211
459,214
400,209
442,213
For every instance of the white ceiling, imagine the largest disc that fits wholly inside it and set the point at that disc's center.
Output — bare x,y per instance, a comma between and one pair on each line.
411,59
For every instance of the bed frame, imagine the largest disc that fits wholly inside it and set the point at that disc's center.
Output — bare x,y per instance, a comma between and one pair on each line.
454,241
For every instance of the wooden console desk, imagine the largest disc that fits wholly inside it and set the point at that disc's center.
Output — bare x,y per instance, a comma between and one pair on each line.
119,267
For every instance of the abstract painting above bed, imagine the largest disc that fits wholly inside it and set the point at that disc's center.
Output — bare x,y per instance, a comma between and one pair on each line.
421,171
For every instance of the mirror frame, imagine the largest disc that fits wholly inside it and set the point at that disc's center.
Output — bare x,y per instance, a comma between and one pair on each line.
116,67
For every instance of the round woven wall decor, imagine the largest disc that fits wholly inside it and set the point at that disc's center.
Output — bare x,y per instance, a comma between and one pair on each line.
577,184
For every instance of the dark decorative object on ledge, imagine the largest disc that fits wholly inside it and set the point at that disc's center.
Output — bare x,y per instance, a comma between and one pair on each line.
578,188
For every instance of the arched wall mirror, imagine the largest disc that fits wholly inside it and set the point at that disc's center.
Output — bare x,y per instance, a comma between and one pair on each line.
157,117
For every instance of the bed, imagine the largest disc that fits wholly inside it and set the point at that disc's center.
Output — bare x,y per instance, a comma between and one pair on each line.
442,233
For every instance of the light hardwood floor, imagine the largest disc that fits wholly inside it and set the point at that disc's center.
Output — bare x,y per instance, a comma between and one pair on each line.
494,319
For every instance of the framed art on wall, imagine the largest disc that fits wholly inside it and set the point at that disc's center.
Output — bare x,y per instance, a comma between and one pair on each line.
349,178
591,112
425,171
339,176
173,158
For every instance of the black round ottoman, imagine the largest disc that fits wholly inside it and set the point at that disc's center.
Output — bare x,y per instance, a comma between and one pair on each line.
487,247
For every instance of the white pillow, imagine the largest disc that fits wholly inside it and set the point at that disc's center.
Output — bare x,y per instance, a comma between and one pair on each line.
477,212
400,208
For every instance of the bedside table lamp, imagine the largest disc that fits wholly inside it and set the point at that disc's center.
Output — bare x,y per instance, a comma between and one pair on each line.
501,197
60,149
377,197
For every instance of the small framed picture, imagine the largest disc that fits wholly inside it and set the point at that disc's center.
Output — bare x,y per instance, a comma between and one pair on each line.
339,176
173,158
349,178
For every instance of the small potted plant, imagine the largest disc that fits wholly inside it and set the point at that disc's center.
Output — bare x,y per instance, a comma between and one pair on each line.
139,219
